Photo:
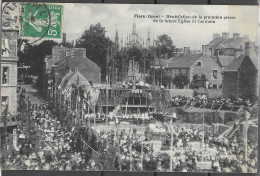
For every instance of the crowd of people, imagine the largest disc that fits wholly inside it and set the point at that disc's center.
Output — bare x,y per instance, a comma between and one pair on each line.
211,103
45,143
223,155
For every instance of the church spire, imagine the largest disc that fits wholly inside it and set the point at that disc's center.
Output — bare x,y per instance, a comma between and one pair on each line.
117,40
149,37
148,41
134,28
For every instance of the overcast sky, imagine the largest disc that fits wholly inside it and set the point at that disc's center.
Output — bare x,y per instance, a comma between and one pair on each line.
78,17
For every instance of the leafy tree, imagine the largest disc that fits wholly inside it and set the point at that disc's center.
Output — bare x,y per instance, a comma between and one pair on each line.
164,44
96,44
198,81
166,79
33,55
180,81
149,79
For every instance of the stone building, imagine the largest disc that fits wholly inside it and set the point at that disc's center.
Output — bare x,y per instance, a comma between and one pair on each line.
191,64
225,45
64,59
240,76
9,61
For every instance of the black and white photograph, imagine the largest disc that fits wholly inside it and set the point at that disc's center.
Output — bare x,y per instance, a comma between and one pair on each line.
129,87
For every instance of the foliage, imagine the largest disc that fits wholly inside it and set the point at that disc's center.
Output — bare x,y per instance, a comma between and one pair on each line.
164,44
180,81
198,81
160,76
166,79
34,55
149,79
96,44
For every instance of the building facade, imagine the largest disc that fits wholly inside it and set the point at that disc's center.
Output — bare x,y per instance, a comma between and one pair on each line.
9,61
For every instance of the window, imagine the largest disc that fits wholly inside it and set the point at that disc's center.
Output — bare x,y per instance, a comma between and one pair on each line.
5,75
4,103
215,74
198,64
215,86
220,87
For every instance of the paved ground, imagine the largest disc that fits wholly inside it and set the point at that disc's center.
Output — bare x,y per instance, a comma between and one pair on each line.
33,94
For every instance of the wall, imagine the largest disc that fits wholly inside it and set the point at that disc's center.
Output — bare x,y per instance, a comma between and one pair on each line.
181,92
247,78
210,117
215,93
10,60
207,67
229,84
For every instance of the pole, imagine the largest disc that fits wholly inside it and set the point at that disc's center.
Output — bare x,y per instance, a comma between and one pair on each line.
203,137
107,79
142,156
171,145
107,105
115,137
245,141
126,107
82,111
94,115
119,155
131,167
160,71
89,121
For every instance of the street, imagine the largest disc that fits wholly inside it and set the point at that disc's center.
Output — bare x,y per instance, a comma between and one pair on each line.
33,94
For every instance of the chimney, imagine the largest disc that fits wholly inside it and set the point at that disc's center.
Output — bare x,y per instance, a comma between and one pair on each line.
225,35
186,49
216,36
207,50
84,53
236,35
249,49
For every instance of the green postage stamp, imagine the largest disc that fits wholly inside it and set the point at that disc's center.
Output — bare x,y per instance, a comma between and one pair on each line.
40,20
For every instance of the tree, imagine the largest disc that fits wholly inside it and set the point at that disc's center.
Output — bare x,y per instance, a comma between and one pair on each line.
164,45
166,79
180,81
198,81
149,79
96,44
34,55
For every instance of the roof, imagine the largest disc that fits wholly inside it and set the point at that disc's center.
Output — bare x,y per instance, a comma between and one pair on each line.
85,66
217,41
236,63
238,43
161,62
184,60
225,60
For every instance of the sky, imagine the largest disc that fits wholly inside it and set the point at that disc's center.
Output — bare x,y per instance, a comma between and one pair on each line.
79,17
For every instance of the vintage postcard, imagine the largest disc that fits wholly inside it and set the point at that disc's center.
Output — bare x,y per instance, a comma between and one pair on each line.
127,87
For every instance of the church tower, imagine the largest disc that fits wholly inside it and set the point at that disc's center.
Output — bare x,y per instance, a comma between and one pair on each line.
117,41
148,41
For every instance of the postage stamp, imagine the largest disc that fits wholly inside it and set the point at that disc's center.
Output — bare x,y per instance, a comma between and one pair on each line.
41,20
